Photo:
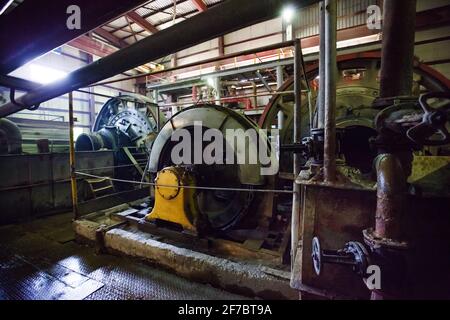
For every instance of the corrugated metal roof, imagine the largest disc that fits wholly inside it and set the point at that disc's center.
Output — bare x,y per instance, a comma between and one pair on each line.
159,13
351,13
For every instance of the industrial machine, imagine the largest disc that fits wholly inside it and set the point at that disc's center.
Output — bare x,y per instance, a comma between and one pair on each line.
175,200
358,86
10,138
198,198
128,126
223,193
124,121
391,181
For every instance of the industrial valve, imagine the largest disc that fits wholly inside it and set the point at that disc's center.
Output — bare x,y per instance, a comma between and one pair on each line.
354,254
415,122
434,122
313,147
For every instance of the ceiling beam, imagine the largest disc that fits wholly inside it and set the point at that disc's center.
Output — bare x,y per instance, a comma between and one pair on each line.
34,36
91,46
140,21
99,49
200,5
117,42
4,5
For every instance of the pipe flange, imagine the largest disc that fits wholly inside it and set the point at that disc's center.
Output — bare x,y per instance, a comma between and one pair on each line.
375,242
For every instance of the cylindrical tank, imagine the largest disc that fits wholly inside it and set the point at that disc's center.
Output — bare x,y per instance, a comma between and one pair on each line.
10,138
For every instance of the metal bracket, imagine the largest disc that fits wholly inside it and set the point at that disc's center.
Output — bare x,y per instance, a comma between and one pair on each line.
12,98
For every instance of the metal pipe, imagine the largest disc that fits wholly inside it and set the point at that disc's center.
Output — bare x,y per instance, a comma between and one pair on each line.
394,163
202,62
391,189
73,175
229,16
255,92
280,81
330,91
27,85
282,93
155,101
295,223
397,60
322,48
217,89
263,81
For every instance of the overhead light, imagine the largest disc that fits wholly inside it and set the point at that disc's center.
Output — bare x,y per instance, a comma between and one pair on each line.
45,75
288,13
6,6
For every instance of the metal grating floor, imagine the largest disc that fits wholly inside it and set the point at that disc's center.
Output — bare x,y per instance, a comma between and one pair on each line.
40,261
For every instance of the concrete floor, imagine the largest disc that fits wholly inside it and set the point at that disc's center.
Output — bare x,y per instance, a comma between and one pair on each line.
40,260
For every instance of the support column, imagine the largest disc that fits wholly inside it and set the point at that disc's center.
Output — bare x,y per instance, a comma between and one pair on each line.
91,97
218,89
280,81
295,222
73,176
155,100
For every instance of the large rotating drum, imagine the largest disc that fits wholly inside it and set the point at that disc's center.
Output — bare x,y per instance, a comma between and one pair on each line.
127,125
126,121
221,208
357,89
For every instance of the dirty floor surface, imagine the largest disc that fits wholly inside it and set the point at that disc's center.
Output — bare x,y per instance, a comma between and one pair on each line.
41,261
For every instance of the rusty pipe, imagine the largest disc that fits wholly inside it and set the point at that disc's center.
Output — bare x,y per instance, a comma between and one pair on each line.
391,190
399,27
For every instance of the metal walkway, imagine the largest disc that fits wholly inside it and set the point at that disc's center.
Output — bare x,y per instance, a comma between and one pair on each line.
40,261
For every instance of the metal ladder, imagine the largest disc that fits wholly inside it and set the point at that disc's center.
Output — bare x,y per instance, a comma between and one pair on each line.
100,187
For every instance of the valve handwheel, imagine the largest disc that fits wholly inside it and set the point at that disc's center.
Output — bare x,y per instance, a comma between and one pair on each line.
317,256
434,122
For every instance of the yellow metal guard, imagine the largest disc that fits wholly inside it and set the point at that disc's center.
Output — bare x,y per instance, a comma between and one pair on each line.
173,203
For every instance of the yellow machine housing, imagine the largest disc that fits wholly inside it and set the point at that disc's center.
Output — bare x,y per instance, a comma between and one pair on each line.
173,203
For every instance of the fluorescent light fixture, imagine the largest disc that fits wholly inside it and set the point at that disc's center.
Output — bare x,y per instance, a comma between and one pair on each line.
288,13
45,75
6,6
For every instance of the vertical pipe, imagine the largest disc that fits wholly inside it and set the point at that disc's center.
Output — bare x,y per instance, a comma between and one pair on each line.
280,80
396,80
255,92
394,163
398,48
330,91
158,116
391,189
194,94
321,99
73,177
297,139
155,96
218,88
221,42
90,59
